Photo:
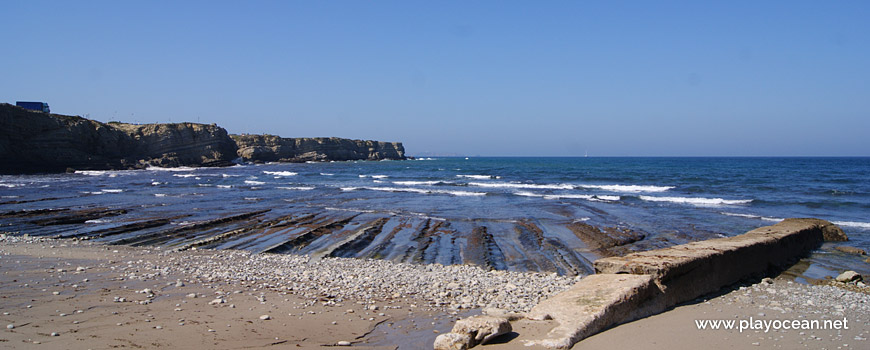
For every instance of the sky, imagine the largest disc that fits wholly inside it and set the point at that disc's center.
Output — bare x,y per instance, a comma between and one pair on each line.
496,78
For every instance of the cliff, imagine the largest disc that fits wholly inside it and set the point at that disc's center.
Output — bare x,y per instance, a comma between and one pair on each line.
41,142
270,148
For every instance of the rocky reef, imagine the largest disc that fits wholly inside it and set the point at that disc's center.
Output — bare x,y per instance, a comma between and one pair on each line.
271,148
40,142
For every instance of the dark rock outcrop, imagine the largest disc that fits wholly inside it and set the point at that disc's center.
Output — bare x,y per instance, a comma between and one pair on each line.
270,148
40,142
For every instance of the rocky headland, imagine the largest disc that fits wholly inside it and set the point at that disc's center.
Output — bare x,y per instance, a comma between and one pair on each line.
40,142
34,142
271,148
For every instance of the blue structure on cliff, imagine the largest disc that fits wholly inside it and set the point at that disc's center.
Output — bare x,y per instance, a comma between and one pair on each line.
36,106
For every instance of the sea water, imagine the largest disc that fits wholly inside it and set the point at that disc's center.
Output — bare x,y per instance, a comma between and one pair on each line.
671,200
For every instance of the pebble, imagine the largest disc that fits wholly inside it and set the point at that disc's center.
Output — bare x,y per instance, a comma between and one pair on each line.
462,286
265,317
55,334
191,295
343,343
10,326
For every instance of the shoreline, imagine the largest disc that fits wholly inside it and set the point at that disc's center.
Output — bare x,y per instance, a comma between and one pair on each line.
98,296
232,291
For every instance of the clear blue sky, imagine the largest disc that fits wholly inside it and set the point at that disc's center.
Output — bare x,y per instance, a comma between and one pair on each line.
645,78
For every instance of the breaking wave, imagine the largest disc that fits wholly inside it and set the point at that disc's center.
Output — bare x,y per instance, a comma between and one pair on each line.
628,188
864,225
297,188
696,200
479,177
751,216
521,185
416,190
281,173
419,183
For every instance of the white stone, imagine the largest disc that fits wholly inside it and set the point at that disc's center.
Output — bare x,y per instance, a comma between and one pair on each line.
452,341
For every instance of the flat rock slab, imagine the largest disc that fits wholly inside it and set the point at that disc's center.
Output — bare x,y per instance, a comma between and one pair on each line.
594,303
641,284
688,271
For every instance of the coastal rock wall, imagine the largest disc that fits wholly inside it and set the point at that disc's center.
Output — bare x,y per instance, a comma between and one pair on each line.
40,142
180,144
271,148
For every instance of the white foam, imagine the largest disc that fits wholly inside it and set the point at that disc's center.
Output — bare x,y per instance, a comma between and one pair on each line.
479,177
424,191
224,186
375,176
228,175
521,185
97,221
252,198
252,182
92,172
11,185
698,201
204,185
765,218
10,196
113,191
160,195
589,197
97,192
349,188
581,220
181,168
326,174
281,173
865,225
569,196
297,188
628,188
418,183
184,175
157,183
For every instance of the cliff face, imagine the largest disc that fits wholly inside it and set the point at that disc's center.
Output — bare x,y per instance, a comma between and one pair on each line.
40,142
270,148
181,144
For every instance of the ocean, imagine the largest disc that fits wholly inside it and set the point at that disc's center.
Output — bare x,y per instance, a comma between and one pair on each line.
505,213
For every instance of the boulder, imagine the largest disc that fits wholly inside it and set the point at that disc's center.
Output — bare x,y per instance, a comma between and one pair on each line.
848,276
482,328
452,341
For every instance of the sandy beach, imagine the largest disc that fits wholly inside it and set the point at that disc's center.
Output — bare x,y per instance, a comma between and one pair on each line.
80,295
